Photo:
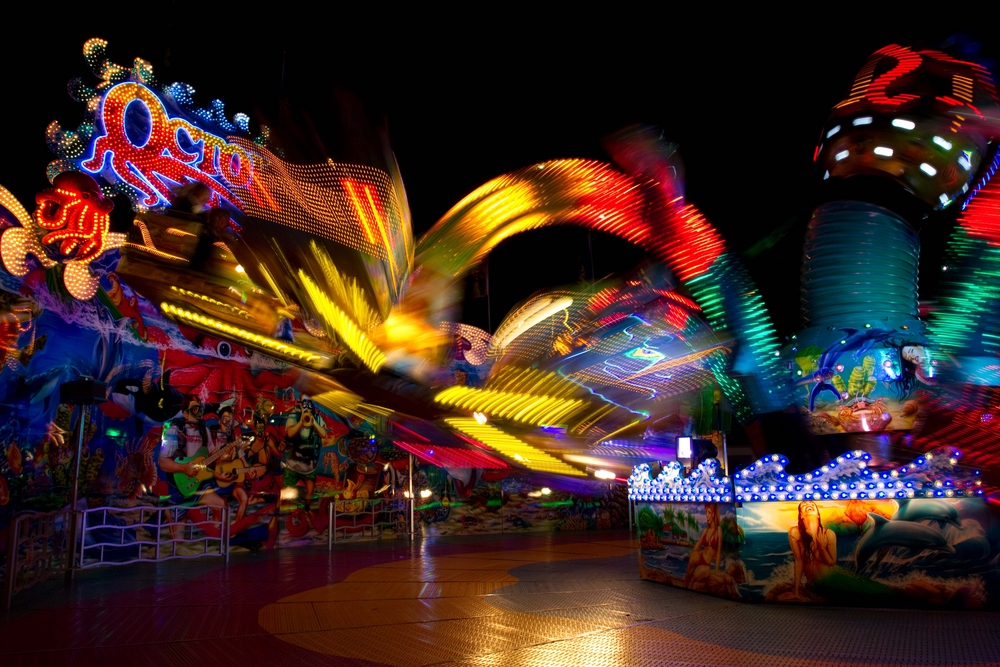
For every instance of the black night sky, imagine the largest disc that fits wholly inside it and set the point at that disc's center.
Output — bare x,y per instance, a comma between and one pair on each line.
467,96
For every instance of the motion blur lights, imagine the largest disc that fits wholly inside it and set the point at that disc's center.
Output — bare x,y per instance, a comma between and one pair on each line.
927,169
508,445
833,131
604,474
884,151
944,199
425,493
479,417
903,124
530,408
842,155
943,143
240,269
546,491
864,120
270,346
529,317
963,162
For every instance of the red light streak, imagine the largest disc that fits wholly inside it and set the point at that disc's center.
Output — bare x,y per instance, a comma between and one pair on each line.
907,62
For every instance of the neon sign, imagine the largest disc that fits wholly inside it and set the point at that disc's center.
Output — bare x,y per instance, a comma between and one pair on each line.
143,140
960,83
71,226
141,145
153,162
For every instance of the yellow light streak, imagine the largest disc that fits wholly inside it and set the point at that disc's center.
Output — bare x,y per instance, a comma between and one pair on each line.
529,316
274,286
215,302
270,346
508,445
530,381
345,291
529,408
342,324
147,244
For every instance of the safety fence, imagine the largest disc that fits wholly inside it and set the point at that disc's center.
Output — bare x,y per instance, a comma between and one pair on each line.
38,548
39,542
119,536
368,517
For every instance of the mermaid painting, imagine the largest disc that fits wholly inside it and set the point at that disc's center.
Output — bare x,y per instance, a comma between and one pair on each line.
814,547
707,551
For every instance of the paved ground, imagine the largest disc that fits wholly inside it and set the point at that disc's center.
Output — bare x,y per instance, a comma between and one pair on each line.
546,600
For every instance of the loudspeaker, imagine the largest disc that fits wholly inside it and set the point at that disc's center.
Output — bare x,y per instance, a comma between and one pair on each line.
84,391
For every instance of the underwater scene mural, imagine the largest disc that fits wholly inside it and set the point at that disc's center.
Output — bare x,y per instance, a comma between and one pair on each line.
862,380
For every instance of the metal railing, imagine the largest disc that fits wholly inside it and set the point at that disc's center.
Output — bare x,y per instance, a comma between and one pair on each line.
119,536
39,541
368,516
37,550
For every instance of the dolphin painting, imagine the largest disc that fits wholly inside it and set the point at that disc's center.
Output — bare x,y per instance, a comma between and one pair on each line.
907,534
928,510
856,340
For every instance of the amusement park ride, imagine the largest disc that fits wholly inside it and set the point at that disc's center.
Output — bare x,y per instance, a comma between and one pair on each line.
314,266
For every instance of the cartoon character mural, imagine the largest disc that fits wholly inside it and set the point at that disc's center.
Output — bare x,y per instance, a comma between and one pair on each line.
169,431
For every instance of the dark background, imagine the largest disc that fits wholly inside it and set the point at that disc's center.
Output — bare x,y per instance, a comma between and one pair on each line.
469,94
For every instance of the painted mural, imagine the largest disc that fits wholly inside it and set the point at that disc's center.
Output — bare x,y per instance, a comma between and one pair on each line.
862,380
933,552
923,552
176,399
849,533
694,546
471,501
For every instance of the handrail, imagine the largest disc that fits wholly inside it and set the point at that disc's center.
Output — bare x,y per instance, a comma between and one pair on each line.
384,513
154,534
37,550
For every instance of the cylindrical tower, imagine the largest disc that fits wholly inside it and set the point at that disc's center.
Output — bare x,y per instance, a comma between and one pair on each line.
907,140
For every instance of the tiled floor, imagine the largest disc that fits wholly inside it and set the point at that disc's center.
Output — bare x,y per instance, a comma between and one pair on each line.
542,600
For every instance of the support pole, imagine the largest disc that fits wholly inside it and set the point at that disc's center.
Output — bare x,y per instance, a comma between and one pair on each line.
10,580
725,455
329,525
74,530
413,525
82,393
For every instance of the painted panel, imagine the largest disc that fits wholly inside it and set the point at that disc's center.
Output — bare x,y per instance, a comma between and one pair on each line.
692,545
920,552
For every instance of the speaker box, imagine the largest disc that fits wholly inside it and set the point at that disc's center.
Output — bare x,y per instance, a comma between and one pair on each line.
85,391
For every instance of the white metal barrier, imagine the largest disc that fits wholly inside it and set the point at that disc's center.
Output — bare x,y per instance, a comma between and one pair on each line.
119,536
368,515
37,550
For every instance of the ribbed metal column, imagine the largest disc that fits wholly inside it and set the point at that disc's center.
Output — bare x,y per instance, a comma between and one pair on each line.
860,263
